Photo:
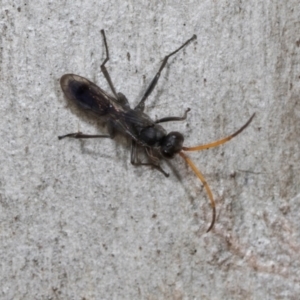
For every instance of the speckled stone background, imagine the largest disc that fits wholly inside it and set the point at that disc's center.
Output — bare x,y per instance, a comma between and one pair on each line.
78,221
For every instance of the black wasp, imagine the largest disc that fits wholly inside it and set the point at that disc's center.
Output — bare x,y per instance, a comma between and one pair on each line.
134,123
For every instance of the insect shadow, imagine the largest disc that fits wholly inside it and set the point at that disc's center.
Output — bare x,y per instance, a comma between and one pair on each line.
144,132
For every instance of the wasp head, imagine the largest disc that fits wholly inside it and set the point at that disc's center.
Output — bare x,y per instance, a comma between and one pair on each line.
171,144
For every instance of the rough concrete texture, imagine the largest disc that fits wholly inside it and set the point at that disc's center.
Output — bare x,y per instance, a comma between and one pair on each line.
78,221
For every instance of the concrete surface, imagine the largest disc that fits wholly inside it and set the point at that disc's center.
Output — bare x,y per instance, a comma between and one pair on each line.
77,221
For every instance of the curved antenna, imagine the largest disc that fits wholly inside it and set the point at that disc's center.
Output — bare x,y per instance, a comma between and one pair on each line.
218,142
205,184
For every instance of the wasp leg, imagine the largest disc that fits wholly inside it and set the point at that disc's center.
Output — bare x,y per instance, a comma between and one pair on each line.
103,68
123,100
168,119
154,160
141,105
80,135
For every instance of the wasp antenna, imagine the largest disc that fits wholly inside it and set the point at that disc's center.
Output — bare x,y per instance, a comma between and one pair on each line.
205,184
218,142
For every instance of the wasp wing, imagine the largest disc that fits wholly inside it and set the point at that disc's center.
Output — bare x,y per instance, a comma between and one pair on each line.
91,97
87,94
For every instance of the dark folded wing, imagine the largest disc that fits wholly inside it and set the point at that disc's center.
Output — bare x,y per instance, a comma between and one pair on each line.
86,94
90,97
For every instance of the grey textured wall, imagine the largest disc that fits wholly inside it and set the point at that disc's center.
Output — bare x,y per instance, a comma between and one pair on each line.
77,221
